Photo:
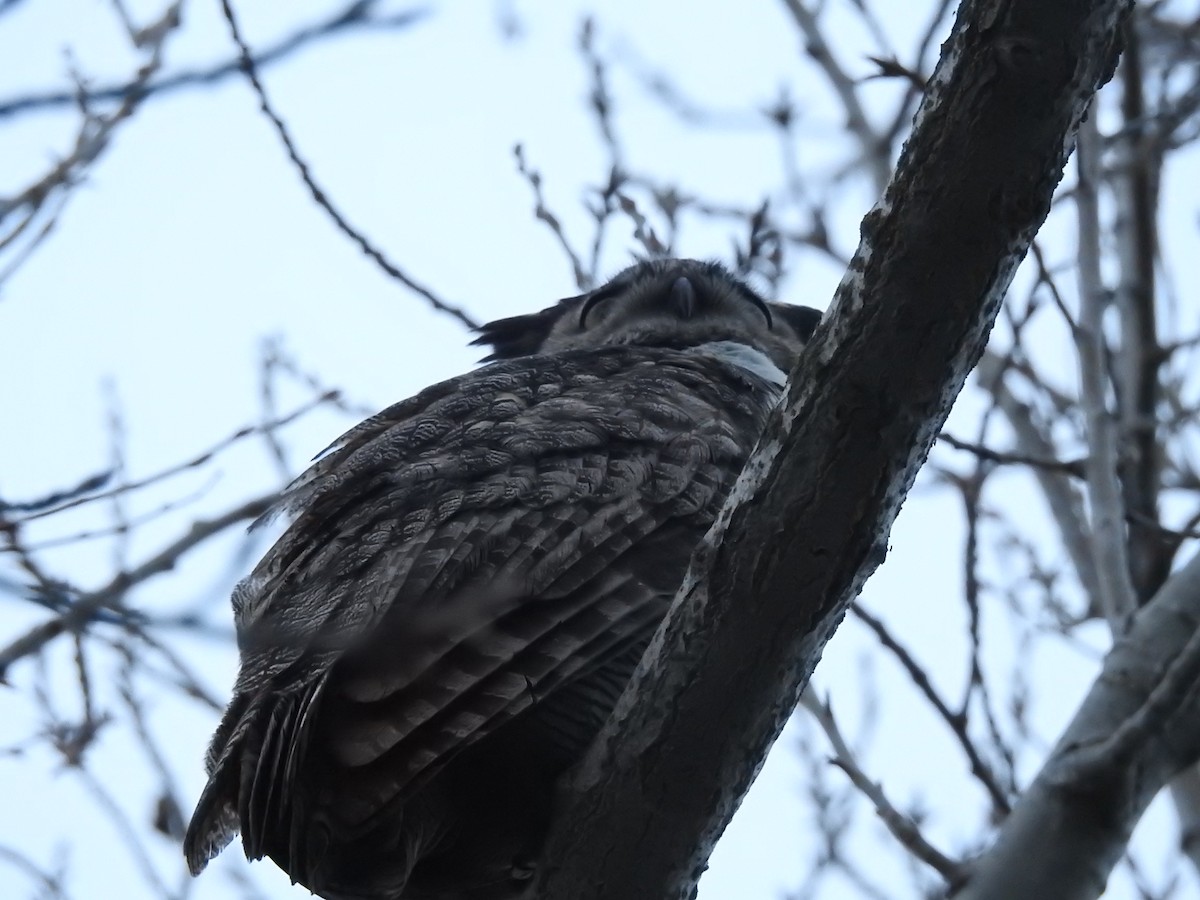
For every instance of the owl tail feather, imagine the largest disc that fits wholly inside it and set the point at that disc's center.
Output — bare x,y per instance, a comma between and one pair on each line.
213,826
215,822
252,764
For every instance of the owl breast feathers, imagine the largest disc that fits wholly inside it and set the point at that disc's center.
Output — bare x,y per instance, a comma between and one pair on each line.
469,579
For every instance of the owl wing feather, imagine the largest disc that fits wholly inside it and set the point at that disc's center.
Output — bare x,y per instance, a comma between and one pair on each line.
451,559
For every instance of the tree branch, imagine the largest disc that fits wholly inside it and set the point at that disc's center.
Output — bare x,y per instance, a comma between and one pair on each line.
1063,500
1070,467
1109,544
95,133
358,15
955,720
875,151
1138,726
902,827
86,606
809,518
1135,185
320,197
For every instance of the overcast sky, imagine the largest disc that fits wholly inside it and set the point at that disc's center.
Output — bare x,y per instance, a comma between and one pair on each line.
192,241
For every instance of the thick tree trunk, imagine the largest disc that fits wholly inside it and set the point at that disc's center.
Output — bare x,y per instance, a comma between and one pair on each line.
809,519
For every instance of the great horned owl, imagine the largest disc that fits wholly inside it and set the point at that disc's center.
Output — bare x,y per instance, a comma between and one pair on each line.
470,578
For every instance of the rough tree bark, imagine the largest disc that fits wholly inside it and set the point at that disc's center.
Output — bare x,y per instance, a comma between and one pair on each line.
1135,730
809,519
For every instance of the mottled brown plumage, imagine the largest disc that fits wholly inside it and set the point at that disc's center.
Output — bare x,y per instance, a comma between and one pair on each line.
469,579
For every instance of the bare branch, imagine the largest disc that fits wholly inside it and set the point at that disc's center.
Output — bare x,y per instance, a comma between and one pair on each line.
81,611
1064,501
51,885
584,280
1109,551
1135,186
88,485
874,149
318,193
83,493
1067,467
972,185
354,16
1147,722
1132,733
94,137
902,828
1000,796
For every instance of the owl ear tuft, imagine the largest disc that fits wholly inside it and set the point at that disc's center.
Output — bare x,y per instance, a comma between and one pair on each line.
802,319
521,335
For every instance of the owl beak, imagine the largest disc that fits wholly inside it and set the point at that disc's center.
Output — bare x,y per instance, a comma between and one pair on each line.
683,298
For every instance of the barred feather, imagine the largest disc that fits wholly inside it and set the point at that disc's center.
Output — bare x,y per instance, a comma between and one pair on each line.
469,579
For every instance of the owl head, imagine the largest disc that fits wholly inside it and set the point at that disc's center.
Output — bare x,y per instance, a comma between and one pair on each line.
676,303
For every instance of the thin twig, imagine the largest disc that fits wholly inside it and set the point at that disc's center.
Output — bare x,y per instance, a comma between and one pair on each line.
957,721
96,132
87,605
902,828
75,497
874,151
51,885
583,280
1063,499
1068,467
318,194
356,15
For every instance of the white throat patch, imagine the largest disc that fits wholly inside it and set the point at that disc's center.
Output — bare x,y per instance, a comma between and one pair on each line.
748,358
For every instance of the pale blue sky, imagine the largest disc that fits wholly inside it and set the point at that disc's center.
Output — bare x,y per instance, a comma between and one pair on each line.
192,240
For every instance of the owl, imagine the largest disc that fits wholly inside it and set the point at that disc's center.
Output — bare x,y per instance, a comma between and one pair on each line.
470,577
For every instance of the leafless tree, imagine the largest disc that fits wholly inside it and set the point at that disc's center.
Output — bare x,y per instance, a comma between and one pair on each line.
1072,456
